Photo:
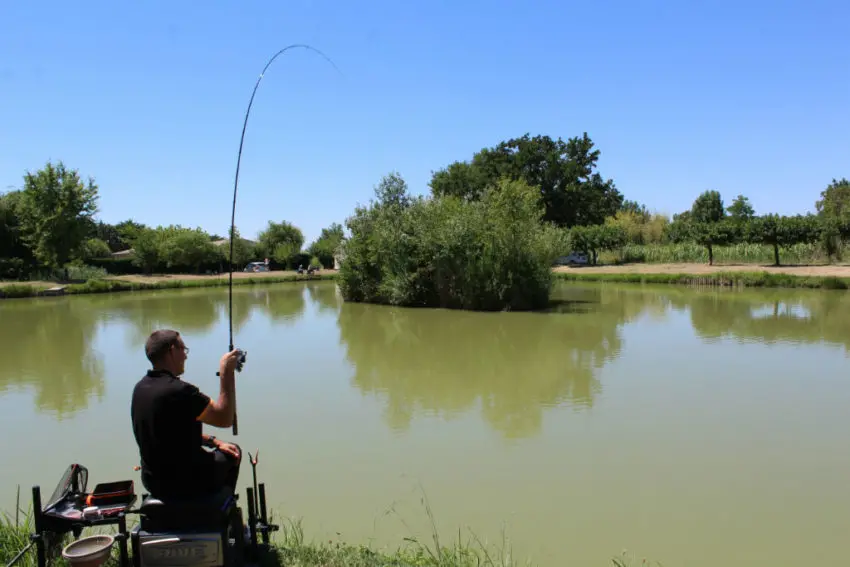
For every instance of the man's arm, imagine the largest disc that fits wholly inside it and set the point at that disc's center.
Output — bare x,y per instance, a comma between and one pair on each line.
219,413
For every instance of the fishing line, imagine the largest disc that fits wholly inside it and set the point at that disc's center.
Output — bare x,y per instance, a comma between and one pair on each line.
236,185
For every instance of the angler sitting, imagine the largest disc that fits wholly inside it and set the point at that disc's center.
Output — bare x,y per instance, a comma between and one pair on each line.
167,415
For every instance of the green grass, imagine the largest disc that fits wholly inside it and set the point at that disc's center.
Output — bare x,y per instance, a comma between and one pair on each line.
118,285
722,279
292,549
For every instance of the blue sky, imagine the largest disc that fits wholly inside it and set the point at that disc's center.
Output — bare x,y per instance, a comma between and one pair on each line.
149,97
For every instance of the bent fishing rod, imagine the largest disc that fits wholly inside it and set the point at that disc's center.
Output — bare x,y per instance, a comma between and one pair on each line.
243,354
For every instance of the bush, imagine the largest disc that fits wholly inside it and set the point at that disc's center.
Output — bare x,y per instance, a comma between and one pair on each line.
117,266
490,254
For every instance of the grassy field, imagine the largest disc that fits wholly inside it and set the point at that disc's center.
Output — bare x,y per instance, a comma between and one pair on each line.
292,549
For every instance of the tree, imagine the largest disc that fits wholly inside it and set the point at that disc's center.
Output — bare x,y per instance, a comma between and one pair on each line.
16,259
708,208
242,251
188,248
593,239
711,234
635,209
110,235
571,192
392,191
835,200
94,248
55,211
741,209
833,210
280,241
325,247
147,252
784,231
490,253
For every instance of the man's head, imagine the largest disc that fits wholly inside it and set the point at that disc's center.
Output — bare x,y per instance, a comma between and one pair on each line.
166,351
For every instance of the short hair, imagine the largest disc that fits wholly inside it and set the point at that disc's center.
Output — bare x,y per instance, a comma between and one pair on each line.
158,344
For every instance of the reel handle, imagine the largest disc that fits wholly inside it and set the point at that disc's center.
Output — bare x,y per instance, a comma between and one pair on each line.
240,362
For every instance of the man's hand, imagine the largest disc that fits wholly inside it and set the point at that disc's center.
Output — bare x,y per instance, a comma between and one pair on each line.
228,449
227,364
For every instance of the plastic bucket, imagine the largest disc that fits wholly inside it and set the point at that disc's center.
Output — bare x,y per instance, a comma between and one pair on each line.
90,551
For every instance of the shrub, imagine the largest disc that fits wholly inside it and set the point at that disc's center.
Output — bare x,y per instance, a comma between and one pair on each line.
490,254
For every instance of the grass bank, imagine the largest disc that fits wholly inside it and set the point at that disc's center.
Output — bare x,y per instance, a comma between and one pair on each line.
292,549
691,274
716,279
139,283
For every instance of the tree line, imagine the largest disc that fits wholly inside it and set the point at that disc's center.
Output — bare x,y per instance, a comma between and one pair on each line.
598,217
487,235
50,224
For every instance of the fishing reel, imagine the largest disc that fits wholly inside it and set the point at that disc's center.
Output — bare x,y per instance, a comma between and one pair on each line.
240,361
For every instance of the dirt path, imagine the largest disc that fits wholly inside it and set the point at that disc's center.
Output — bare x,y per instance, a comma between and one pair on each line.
697,269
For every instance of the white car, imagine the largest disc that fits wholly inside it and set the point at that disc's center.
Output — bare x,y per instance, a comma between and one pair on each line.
256,267
573,259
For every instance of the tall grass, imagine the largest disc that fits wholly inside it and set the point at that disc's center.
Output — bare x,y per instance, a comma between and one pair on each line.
690,252
291,548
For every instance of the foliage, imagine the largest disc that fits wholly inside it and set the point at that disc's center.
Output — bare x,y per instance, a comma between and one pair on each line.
835,201
708,208
783,231
741,209
571,192
689,252
174,247
639,228
326,246
593,239
55,210
280,241
243,250
94,248
16,258
491,253
111,235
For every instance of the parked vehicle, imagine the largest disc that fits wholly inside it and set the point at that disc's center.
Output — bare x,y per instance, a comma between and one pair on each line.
574,258
256,267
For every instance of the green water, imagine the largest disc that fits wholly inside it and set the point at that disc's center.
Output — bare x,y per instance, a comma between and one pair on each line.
697,428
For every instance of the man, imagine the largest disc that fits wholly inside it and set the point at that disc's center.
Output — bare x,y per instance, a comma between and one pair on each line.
167,415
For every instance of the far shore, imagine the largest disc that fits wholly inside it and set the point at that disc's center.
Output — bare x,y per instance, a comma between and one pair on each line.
833,276
823,271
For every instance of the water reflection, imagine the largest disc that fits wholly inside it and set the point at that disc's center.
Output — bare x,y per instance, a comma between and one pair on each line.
507,366
47,347
48,342
511,365
769,317
325,296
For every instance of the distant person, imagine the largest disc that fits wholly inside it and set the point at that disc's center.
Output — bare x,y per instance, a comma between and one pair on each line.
167,415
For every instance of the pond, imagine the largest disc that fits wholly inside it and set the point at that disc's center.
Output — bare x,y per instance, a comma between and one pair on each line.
692,427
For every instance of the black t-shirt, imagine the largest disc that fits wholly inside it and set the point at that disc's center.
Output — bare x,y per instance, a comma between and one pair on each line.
164,412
